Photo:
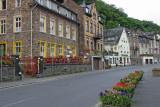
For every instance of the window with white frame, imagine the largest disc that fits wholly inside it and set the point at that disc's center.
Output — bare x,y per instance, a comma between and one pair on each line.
74,51
67,32
91,28
42,24
68,49
3,25
94,30
3,5
52,27
60,49
18,3
18,24
43,49
91,44
60,30
52,50
17,48
87,26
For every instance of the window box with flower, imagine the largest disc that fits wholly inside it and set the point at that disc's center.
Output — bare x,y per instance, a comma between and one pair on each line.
156,72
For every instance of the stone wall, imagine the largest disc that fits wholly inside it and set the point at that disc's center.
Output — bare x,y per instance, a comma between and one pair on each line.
8,73
56,69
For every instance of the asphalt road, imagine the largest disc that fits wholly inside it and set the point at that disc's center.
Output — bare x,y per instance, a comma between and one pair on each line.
79,91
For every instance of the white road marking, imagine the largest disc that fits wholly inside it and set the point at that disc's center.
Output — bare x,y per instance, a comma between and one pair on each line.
18,102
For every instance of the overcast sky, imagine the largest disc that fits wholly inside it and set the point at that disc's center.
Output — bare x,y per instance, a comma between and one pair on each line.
139,9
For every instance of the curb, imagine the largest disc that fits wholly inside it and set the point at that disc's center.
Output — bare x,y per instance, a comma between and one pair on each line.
98,104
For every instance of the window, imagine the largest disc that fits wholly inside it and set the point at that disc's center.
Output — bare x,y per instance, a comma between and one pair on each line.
18,3
91,45
61,30
17,48
61,49
87,10
43,24
88,43
68,32
97,30
98,45
101,47
4,48
101,31
43,49
142,45
18,24
87,26
2,27
68,48
49,4
52,49
91,28
94,15
94,29
74,51
3,4
52,27
74,34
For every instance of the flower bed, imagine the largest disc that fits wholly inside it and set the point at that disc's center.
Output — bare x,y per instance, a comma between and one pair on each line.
155,72
122,92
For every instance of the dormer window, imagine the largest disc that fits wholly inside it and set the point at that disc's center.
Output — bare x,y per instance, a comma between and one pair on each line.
99,18
87,10
49,4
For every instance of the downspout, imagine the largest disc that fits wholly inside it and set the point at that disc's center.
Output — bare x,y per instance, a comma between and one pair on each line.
32,27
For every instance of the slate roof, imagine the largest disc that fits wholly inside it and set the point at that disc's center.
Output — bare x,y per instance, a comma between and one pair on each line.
116,32
86,6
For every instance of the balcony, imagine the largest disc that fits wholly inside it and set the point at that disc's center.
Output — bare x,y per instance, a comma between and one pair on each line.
111,53
134,48
98,36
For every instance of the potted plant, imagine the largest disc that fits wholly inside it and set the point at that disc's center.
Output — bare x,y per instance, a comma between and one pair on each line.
112,98
110,66
155,72
116,65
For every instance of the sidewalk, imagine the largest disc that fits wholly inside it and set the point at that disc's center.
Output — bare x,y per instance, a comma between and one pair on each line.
147,92
28,81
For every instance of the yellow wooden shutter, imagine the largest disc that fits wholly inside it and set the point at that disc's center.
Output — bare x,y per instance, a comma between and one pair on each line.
14,48
45,49
14,26
54,49
45,25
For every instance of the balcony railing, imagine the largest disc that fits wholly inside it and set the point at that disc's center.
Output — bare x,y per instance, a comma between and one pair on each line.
98,36
111,53
135,48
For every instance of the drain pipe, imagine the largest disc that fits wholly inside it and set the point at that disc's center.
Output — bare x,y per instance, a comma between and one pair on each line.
32,27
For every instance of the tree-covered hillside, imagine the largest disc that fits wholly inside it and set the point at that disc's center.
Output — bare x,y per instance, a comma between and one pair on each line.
113,16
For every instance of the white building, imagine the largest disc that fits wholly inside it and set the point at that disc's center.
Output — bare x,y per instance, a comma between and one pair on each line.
116,46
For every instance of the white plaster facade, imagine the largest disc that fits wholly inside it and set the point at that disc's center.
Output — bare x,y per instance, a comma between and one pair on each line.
123,50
